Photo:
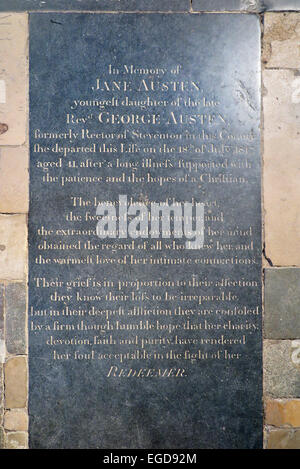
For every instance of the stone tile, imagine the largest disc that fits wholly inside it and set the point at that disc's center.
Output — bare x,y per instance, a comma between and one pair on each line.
281,369
1,394
15,383
13,78
14,179
13,246
280,5
150,5
15,318
2,438
16,420
280,413
282,303
281,40
2,351
16,440
1,312
245,5
228,5
284,439
94,5
281,166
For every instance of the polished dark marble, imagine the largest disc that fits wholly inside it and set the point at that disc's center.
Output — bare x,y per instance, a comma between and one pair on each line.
95,5
196,81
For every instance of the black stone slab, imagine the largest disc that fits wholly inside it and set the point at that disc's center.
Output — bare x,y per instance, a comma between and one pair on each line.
245,5
95,5
150,5
157,107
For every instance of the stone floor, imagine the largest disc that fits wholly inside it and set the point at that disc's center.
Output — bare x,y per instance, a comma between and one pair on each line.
281,192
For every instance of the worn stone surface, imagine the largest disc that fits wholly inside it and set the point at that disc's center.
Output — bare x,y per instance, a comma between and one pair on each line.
15,373
2,351
151,5
279,5
14,179
1,312
2,326
227,5
15,318
16,440
282,303
13,78
13,246
2,438
1,393
281,150
96,5
16,420
281,370
281,413
283,439
281,40
245,5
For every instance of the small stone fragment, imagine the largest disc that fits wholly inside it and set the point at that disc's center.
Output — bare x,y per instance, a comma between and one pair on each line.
16,440
15,374
16,420
283,439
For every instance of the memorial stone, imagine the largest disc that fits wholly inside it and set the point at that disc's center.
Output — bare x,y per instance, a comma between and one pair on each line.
142,334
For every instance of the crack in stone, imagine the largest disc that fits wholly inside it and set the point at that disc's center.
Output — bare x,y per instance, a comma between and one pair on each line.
265,256
55,22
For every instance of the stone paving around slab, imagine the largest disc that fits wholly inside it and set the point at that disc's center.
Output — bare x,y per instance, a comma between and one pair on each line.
281,101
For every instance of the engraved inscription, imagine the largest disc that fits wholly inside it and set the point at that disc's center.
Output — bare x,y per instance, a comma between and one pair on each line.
132,299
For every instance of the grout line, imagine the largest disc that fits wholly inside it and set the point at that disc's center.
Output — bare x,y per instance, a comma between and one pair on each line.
278,267
283,68
281,340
